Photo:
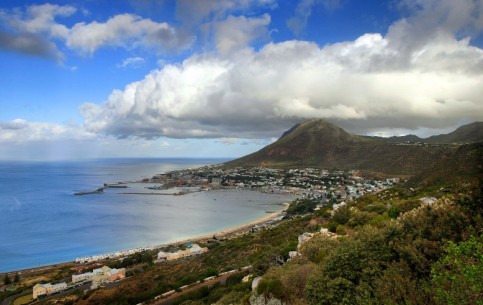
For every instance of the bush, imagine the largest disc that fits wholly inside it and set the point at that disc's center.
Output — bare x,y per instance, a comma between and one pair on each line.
458,275
332,226
341,215
271,287
341,230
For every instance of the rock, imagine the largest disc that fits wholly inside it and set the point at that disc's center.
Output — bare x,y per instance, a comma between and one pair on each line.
255,282
246,278
261,300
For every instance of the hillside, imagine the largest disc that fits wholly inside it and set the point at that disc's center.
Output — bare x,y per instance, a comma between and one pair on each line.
470,133
464,165
317,143
398,139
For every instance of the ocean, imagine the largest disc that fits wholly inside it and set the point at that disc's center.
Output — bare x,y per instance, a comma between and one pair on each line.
42,222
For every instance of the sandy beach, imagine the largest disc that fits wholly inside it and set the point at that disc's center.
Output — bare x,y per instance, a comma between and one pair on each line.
236,229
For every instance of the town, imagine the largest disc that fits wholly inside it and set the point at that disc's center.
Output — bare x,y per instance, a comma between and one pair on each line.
325,186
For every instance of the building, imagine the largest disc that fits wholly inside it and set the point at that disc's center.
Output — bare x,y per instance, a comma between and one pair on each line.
106,275
47,289
76,278
100,276
169,256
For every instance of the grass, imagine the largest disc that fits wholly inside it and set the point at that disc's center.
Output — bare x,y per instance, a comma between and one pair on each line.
23,299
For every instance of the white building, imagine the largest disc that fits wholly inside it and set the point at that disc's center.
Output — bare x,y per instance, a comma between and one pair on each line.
47,289
100,276
76,278
193,250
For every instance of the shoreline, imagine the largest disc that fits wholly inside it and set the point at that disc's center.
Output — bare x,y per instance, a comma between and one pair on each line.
235,229
225,233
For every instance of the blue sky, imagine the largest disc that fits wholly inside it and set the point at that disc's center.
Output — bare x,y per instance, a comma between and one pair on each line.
146,78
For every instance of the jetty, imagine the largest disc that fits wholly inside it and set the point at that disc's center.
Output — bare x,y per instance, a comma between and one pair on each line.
97,191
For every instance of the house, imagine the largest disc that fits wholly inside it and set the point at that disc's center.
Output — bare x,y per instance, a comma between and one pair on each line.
106,275
76,278
195,249
47,289
100,276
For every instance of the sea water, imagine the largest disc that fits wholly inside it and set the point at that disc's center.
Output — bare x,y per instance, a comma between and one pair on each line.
42,222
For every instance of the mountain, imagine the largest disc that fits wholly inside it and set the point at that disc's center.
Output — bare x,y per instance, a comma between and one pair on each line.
470,133
317,143
398,139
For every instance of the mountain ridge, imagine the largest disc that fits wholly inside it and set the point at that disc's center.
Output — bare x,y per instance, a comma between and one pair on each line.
317,143
469,133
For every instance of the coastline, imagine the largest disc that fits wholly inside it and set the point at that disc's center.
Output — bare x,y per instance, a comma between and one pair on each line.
225,233
230,232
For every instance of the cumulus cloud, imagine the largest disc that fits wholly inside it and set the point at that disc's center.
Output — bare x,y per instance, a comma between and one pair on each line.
126,30
235,33
35,31
30,31
374,82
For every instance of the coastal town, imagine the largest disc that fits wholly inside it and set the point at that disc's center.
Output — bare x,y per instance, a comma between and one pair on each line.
328,186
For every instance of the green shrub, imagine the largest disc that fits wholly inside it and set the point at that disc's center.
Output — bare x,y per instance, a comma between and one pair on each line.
458,275
341,230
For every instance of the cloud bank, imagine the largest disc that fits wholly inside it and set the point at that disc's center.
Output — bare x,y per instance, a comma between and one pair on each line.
36,30
420,74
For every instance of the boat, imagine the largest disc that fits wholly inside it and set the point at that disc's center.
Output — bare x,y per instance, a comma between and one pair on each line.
98,191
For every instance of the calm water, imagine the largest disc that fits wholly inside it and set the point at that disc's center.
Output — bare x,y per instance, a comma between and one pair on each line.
42,222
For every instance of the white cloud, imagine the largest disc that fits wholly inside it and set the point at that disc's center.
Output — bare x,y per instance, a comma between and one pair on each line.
374,82
39,19
127,31
38,23
235,33
19,131
133,62
31,31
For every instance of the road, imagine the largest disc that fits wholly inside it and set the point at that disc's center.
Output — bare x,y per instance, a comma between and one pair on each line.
169,300
10,299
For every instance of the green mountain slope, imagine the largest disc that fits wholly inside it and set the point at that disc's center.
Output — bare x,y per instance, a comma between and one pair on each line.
317,143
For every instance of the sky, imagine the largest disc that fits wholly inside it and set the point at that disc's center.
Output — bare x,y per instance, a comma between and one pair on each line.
206,78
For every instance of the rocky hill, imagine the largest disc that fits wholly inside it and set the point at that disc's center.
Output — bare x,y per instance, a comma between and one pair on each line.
317,143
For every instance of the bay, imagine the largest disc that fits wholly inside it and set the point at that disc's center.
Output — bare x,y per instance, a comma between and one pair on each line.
42,222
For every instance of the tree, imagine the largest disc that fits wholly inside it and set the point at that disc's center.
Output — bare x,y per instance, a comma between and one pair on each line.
6,279
17,278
